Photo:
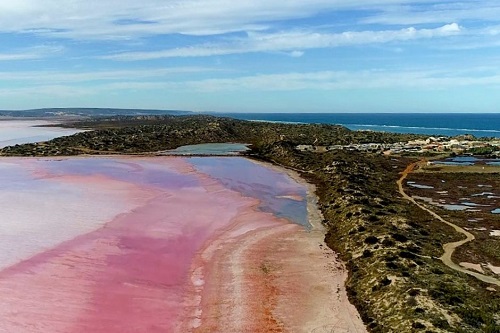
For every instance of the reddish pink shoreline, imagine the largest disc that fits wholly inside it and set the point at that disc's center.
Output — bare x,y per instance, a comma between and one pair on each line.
276,277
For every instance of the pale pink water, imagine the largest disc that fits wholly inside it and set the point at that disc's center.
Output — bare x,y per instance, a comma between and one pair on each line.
21,131
107,244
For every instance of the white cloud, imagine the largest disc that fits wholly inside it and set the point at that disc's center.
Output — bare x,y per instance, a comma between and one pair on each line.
450,28
292,41
437,12
296,54
325,81
46,91
375,79
53,77
337,80
126,19
129,18
36,52
18,56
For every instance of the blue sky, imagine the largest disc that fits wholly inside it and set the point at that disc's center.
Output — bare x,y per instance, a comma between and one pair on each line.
252,55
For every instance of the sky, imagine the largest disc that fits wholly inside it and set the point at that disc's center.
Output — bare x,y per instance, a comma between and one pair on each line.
252,55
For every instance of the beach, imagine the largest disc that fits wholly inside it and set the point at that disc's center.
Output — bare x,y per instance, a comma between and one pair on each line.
279,278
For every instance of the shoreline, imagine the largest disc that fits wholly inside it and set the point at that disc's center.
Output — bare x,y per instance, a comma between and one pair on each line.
284,277
316,218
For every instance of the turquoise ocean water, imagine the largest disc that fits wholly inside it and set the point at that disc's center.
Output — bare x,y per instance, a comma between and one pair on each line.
449,124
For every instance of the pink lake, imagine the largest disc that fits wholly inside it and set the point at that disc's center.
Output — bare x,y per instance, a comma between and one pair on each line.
21,131
107,244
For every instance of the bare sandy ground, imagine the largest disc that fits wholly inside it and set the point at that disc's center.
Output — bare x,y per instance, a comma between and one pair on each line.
275,278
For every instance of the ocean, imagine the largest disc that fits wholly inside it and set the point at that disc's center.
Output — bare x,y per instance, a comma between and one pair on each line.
447,124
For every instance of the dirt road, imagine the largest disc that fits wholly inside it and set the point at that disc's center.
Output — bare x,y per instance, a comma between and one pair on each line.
448,248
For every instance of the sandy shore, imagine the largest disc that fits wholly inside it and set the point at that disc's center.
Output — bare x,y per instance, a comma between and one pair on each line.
275,278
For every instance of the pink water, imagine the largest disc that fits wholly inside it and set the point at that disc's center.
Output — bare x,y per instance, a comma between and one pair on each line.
107,244
21,131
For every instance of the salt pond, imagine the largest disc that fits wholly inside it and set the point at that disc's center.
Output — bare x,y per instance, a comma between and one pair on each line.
420,186
106,244
462,206
466,161
209,149
14,132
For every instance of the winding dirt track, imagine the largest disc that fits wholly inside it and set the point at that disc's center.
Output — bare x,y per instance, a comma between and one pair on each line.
448,247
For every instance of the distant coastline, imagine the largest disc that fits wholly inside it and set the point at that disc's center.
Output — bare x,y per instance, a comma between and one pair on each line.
431,124
446,124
